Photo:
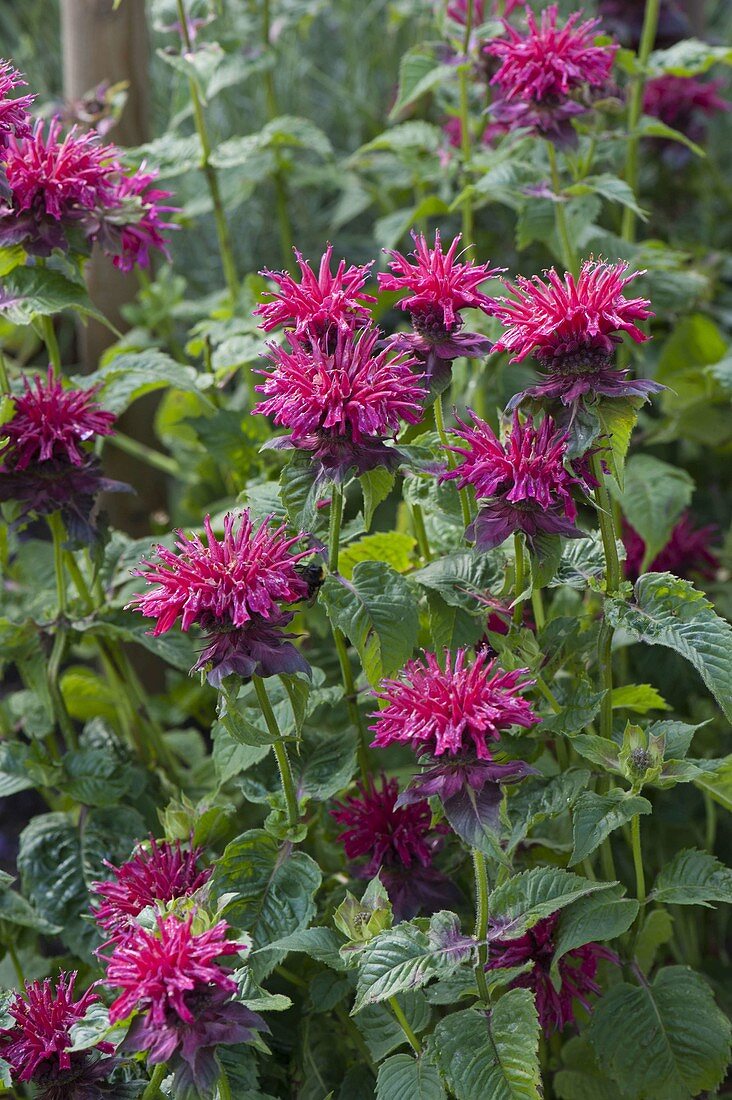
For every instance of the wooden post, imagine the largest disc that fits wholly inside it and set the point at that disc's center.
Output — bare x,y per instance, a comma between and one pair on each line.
100,43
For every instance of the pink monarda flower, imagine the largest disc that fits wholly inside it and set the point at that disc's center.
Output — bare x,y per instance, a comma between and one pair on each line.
341,404
46,464
685,104
438,286
687,553
521,484
318,303
160,875
577,971
572,326
14,121
37,1046
68,192
547,74
233,589
181,994
400,843
453,710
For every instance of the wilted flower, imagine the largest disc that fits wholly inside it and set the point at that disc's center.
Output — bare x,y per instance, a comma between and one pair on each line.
624,20
318,302
687,553
572,326
400,843
521,484
440,286
577,971
162,874
233,590
182,996
451,711
45,465
37,1046
684,104
68,192
547,73
14,120
341,404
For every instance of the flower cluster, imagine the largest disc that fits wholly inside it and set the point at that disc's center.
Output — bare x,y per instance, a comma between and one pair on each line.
687,553
577,971
13,110
400,843
160,875
46,464
38,1045
547,75
69,191
572,327
341,404
181,995
233,589
438,287
684,104
522,484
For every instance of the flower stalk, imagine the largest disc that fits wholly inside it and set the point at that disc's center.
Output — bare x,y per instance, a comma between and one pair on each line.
635,107
481,921
280,750
152,1092
404,1025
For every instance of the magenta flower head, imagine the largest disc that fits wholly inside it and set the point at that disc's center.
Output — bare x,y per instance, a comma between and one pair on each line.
181,994
160,875
400,843
133,224
318,303
687,553
343,404
685,104
547,74
233,589
521,484
572,327
37,1046
47,465
439,285
14,121
577,971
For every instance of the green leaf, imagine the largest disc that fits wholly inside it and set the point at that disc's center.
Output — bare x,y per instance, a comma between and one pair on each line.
128,377
665,1041
657,929
528,897
380,1028
392,547
593,919
689,57
608,187
653,127
322,944
639,698
327,763
653,498
491,1055
403,1077
581,561
171,155
595,816
95,778
418,74
300,493
377,610
580,1077
29,292
617,417
539,799
273,891
406,958
670,612
461,577
693,878
718,784
375,485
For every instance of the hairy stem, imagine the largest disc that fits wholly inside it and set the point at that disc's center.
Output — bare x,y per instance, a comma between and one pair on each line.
152,1092
58,534
518,584
442,433
223,1084
404,1025
49,339
635,107
481,921
212,180
640,880
560,215
283,760
420,532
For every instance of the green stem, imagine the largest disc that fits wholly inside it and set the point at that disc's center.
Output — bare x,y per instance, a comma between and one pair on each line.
17,966
281,202
635,107
4,380
560,216
612,583
145,454
548,694
518,586
212,179
710,811
153,1089
49,339
465,142
640,879
537,604
58,534
349,684
283,760
404,1025
223,1084
451,462
420,532
481,921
